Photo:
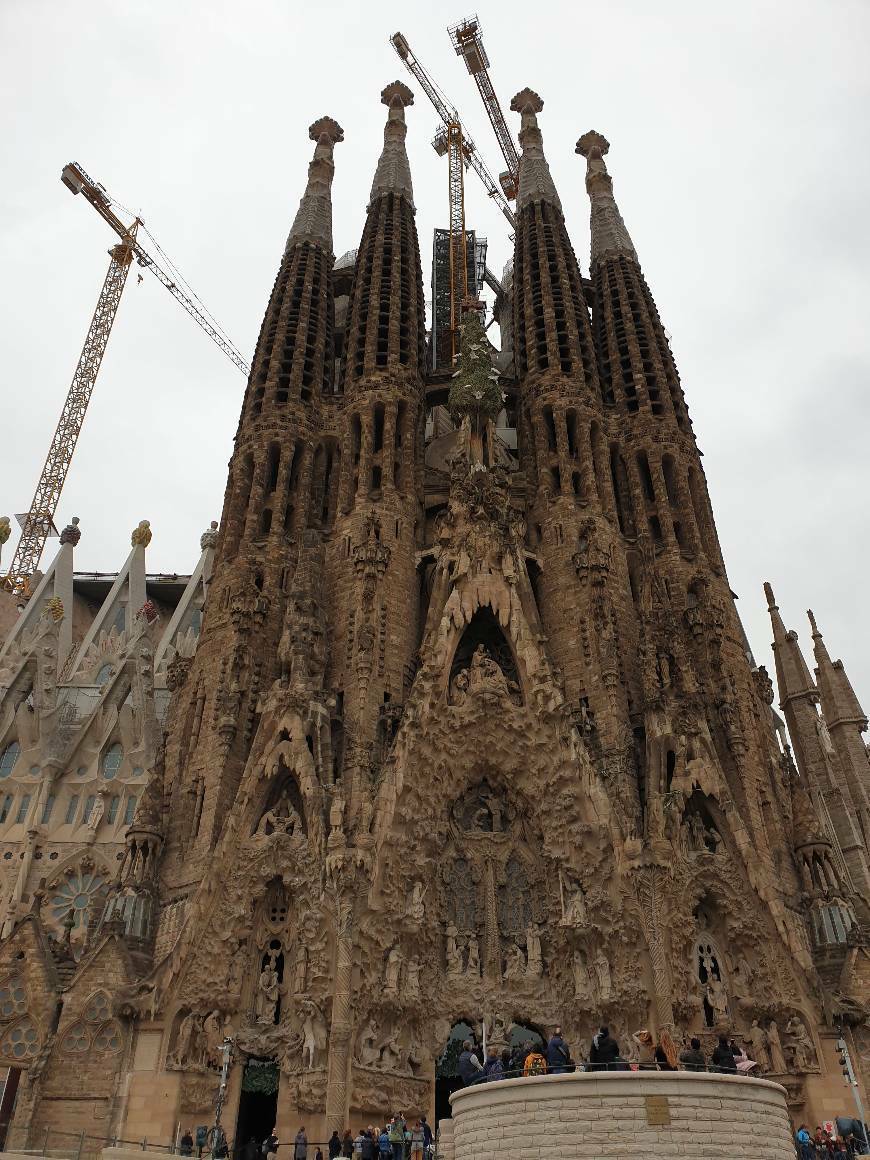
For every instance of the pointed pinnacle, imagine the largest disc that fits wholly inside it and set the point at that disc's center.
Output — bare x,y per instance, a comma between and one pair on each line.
815,633
771,600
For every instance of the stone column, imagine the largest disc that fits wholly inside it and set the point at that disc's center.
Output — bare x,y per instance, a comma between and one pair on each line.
343,876
646,892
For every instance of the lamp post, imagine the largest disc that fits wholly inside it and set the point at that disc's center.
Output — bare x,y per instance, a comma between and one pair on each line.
849,1076
219,1147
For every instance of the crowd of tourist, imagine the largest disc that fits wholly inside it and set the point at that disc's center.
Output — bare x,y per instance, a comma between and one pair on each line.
822,1143
649,1052
399,1139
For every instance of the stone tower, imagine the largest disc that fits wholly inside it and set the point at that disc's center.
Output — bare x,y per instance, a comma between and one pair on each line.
471,735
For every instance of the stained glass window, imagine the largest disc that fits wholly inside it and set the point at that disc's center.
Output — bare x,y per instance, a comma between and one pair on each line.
130,810
21,1041
23,807
9,757
47,808
71,809
13,997
77,1040
108,1038
113,809
112,759
104,674
5,807
74,894
97,1008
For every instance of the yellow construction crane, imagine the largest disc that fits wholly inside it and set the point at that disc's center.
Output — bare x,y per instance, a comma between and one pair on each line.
38,523
467,40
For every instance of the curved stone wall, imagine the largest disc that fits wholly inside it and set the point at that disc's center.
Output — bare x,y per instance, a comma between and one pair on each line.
630,1115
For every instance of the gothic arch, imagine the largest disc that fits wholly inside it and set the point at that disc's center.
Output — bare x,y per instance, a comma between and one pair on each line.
483,641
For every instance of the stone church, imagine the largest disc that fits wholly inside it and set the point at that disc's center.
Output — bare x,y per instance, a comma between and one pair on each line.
454,724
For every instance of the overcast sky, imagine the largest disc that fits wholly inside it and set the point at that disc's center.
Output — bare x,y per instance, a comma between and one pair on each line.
739,155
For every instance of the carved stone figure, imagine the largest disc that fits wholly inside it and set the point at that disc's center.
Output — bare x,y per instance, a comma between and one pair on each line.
300,969
416,911
268,992
574,912
717,998
281,818
534,966
454,954
472,964
97,812
515,963
801,1047
758,1042
602,971
181,1055
774,1044
391,1052
213,1036
582,983
368,1049
336,817
393,970
313,1033
412,979
825,737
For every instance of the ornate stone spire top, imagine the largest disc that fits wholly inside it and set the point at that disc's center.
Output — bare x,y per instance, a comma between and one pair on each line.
313,221
393,174
839,702
792,674
609,235
535,184
72,533
209,538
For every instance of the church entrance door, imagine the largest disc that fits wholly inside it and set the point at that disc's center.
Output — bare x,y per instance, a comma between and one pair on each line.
258,1106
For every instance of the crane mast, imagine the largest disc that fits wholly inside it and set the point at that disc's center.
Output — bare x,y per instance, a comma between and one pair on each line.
38,523
39,520
458,245
448,114
467,40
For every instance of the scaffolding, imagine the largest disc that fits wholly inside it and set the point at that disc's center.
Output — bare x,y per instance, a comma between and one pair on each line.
475,256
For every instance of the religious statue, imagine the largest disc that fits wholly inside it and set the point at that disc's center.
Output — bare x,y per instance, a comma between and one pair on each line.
777,1059
416,911
472,965
99,808
300,969
582,985
758,1041
717,998
574,911
534,966
391,1052
393,969
803,1053
825,736
485,673
236,970
183,1040
368,1050
336,817
412,979
697,834
454,954
268,989
282,817
212,1037
313,1033
515,963
602,971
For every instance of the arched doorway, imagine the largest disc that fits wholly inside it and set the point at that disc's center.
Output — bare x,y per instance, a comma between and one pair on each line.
447,1078
258,1103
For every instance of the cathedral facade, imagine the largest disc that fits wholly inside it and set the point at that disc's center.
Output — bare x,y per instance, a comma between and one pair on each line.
454,723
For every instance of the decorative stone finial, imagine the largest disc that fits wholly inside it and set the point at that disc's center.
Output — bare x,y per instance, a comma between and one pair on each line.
313,221
593,140
5,529
609,235
527,101
535,183
397,95
54,609
72,533
768,592
141,536
813,625
393,174
209,539
326,127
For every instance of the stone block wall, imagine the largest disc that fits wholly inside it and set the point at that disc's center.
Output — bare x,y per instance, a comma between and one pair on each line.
630,1115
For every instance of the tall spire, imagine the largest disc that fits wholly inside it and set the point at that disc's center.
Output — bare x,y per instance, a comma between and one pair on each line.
386,313
313,222
792,675
393,174
609,235
536,183
839,702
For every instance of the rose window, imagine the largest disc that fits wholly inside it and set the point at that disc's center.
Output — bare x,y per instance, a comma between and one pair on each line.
21,1041
75,893
13,997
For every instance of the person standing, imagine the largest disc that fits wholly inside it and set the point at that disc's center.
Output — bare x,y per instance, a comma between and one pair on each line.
270,1145
604,1051
333,1148
492,1069
186,1143
300,1145
397,1136
723,1057
427,1133
558,1055
470,1069
692,1057
418,1141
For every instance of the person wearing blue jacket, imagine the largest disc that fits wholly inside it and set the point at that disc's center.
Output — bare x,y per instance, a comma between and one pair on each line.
558,1055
